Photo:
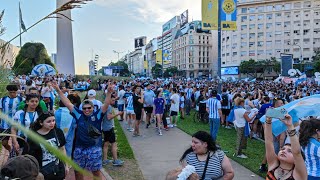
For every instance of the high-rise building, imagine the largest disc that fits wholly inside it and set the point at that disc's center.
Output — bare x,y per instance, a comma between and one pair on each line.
193,52
54,58
267,28
8,57
150,55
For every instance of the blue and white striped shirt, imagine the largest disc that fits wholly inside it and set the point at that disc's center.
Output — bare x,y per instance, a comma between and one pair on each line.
130,103
9,106
312,153
188,92
213,104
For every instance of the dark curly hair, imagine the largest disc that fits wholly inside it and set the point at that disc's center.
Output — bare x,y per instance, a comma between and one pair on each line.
308,128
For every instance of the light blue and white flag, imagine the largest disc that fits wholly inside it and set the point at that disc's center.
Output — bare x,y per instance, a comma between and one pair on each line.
301,79
308,106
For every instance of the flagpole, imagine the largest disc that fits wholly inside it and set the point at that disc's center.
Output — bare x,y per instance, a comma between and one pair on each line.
20,25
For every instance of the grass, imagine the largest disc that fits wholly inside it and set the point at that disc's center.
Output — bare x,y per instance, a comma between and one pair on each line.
227,140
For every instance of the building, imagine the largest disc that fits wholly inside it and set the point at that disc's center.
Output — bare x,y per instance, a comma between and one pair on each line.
8,57
54,58
136,61
169,30
150,56
267,28
193,52
92,68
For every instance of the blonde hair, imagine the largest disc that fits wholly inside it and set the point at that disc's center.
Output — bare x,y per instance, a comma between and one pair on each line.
238,101
173,175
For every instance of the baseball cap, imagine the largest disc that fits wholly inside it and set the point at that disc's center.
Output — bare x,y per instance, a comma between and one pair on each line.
92,93
24,167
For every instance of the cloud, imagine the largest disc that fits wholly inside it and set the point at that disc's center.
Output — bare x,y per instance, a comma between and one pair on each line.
113,39
154,11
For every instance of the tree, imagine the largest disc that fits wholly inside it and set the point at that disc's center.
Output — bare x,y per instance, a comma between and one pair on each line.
316,61
30,55
125,70
156,70
247,67
171,71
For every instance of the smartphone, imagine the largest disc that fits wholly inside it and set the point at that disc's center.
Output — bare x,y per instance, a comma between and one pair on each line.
276,113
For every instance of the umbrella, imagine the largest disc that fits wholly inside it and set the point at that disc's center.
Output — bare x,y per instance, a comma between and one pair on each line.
43,70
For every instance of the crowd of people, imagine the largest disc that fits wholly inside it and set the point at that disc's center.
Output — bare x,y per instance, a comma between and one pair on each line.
84,130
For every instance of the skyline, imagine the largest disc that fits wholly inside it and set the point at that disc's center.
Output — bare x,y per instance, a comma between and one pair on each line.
139,21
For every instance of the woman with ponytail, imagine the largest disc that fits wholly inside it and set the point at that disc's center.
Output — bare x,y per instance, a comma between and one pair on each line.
310,142
25,117
50,166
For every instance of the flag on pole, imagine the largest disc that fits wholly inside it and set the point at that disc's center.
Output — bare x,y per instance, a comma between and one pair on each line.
308,106
22,25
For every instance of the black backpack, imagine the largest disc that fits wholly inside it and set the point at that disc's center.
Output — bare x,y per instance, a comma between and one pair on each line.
225,100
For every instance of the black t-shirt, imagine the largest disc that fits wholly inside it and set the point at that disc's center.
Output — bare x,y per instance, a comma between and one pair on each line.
55,137
137,106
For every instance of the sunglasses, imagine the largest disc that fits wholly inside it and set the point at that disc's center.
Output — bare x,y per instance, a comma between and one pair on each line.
85,108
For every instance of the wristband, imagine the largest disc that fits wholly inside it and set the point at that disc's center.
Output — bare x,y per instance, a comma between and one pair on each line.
291,132
268,122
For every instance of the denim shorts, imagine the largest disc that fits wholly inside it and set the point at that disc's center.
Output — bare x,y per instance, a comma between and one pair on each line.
88,158
120,107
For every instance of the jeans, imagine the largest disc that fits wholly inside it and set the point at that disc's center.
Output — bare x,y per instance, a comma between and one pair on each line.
188,106
214,127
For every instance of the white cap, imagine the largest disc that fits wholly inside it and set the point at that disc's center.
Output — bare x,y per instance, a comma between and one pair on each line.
92,93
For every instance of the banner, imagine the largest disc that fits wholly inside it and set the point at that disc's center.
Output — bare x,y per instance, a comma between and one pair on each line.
166,55
210,14
184,18
159,56
140,42
286,64
228,15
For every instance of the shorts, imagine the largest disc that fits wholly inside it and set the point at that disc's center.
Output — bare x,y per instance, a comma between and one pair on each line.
109,136
226,112
148,110
138,114
7,131
130,112
88,158
120,107
173,113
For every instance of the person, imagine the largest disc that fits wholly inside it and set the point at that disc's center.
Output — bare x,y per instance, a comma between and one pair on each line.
188,102
88,142
242,118
131,116
148,103
33,91
110,136
45,126
121,101
91,95
21,167
138,99
309,138
25,117
159,104
213,107
226,100
288,163
174,108
204,151
8,105
182,100
47,95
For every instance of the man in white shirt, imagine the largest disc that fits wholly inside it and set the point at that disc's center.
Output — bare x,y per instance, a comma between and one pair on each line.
121,101
175,98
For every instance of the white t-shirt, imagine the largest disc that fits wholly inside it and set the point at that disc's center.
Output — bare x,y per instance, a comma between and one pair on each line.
239,121
120,95
175,106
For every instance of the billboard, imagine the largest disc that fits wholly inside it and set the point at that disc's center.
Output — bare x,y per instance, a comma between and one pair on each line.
166,55
210,14
228,15
184,18
286,63
230,70
170,24
139,42
159,56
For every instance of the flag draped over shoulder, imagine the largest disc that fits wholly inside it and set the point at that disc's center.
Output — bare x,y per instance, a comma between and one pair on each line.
308,106
22,25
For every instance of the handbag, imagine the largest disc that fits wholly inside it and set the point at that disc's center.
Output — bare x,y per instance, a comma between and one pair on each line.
55,169
205,167
93,132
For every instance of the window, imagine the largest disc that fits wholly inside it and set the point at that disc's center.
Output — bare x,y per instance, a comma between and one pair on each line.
252,35
243,18
307,4
269,8
286,50
287,15
243,27
252,17
269,34
269,25
243,44
278,42
252,53
287,6
269,16
269,52
243,36
243,53
306,31
252,10
234,53
252,26
286,24
260,34
260,16
287,33
260,52
306,41
260,43
278,33
278,14
278,24
296,31
251,44
260,26
244,10
297,5
269,43
260,9
278,7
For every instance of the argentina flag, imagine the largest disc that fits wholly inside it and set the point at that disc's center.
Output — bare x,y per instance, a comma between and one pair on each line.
308,106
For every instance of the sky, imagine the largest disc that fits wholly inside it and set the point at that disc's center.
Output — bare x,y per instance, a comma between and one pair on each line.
99,27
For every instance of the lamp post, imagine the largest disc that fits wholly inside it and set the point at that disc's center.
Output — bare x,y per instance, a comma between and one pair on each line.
117,52
301,60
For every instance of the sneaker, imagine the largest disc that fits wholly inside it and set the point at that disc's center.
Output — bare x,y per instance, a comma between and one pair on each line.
117,162
228,127
255,136
263,168
105,162
147,126
242,156
128,128
170,126
153,121
167,129
131,129
174,125
160,133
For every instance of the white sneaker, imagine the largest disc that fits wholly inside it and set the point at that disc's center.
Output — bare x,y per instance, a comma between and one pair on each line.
160,133
170,125
174,125
242,156
131,129
228,127
255,136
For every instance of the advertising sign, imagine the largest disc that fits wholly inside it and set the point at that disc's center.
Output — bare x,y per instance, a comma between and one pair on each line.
286,64
230,70
170,24
210,14
159,56
140,42
184,18
166,55
228,15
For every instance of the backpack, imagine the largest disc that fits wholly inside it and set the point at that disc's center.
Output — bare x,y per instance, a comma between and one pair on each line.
225,100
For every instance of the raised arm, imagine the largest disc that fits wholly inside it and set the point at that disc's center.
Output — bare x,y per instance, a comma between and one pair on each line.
107,101
270,154
63,98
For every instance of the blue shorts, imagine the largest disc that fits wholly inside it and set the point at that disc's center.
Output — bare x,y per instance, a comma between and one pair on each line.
120,107
88,158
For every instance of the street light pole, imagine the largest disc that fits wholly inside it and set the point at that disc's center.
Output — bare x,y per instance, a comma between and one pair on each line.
219,51
301,59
